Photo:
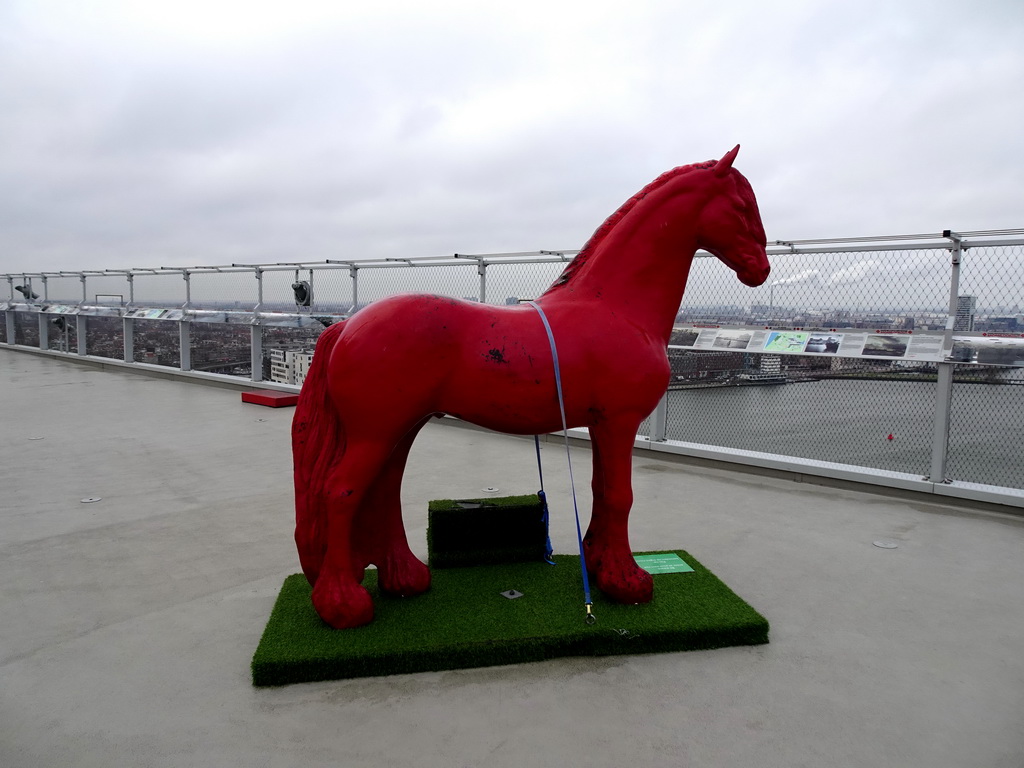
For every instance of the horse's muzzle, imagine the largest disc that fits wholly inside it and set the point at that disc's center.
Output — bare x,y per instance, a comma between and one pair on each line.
754,276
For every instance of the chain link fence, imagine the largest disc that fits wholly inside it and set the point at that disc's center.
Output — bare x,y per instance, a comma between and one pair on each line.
156,342
869,354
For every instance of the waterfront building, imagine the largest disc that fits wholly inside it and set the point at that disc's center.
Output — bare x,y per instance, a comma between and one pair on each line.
290,366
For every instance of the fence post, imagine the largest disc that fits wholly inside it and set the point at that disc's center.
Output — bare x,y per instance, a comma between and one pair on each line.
81,327
128,337
185,327
256,332
944,383
481,269
354,272
659,421
44,331
128,323
81,322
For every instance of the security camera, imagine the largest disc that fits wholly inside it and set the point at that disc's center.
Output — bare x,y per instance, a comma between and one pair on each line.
24,291
61,323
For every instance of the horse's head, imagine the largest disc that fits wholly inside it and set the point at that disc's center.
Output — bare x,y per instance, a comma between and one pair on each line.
729,225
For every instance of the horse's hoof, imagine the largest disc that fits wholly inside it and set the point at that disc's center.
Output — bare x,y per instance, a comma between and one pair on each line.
624,582
343,606
629,590
403,577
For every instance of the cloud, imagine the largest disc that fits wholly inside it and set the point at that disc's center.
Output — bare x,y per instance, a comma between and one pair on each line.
221,131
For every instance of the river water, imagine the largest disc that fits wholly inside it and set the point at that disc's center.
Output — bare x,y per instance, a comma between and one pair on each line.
850,421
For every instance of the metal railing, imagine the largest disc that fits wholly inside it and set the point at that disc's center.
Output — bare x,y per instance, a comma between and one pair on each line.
903,357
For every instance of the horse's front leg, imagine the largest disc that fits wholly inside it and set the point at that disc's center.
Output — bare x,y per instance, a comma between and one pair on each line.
606,545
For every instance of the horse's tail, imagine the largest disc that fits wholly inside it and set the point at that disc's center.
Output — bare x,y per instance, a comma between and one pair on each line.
318,441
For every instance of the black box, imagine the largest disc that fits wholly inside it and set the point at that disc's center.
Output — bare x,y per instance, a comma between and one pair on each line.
463,532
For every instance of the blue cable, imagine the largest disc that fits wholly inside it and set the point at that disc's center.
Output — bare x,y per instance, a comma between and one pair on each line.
545,516
572,483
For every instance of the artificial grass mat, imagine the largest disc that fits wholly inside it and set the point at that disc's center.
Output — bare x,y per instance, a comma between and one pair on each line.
464,621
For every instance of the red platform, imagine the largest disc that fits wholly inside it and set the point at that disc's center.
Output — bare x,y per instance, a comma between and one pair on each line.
270,397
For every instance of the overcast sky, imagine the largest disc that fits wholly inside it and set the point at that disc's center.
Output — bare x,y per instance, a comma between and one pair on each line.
209,131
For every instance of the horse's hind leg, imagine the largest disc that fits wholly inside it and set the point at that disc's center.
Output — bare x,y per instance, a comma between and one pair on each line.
380,532
606,545
338,595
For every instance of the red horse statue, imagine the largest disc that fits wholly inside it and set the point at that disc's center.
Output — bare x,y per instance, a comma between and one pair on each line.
611,312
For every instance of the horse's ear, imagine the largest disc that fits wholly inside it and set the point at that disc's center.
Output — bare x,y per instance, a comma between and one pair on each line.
722,166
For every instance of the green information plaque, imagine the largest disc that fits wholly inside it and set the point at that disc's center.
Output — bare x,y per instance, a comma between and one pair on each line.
666,562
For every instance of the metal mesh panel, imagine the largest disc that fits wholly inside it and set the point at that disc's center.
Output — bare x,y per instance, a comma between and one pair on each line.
107,290
104,337
986,424
332,291
219,348
223,290
993,278
459,281
26,329
65,339
511,283
833,410
831,290
163,290
988,399
60,288
277,290
157,342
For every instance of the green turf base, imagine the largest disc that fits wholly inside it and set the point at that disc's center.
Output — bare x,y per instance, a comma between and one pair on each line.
464,621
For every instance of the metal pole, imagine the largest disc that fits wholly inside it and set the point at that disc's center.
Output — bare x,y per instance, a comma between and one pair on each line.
256,345
81,323
128,323
185,344
256,333
9,315
44,331
944,382
185,328
481,269
659,421
354,272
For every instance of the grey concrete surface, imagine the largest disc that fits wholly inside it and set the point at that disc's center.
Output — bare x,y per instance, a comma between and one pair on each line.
128,624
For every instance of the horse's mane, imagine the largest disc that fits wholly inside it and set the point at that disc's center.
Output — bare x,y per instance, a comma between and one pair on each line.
609,224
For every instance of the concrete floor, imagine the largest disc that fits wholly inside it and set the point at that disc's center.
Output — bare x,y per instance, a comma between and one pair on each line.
129,623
